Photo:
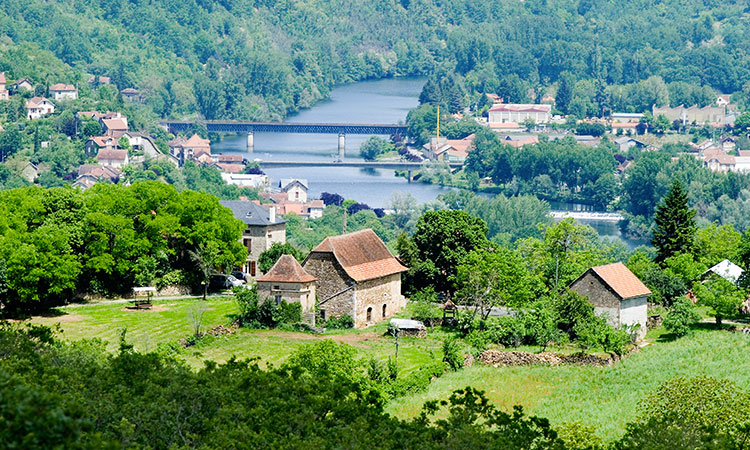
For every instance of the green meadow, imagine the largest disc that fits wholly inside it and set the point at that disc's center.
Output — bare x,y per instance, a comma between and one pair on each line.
604,397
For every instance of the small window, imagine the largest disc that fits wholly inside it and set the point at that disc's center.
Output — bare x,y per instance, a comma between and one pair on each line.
369,314
276,287
322,314
384,310
248,243
252,268
278,300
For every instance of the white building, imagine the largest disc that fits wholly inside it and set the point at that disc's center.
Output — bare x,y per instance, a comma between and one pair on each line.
519,113
37,107
62,91
295,188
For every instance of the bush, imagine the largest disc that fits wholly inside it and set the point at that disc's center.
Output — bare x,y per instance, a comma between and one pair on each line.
681,317
453,354
340,323
478,342
173,278
290,313
572,309
508,331
416,381
541,325
424,305
597,333
256,314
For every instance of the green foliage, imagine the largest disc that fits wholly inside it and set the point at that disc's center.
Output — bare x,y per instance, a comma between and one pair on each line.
424,305
375,146
723,297
597,333
509,331
453,354
254,313
681,317
540,324
675,227
443,239
340,323
268,258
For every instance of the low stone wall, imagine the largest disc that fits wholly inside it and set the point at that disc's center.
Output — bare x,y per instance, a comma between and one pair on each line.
498,358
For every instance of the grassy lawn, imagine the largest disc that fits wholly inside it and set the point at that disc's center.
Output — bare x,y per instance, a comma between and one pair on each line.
605,397
169,320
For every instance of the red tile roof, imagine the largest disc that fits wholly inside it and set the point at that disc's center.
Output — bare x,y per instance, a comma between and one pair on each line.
231,168
115,124
287,270
621,280
62,87
361,254
510,107
112,154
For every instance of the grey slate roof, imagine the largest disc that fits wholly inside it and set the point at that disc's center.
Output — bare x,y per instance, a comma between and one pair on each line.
250,213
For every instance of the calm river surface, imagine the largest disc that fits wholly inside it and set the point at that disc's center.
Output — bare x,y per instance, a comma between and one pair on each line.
381,101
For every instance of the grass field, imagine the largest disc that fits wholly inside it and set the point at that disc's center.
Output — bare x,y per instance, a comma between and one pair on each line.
605,397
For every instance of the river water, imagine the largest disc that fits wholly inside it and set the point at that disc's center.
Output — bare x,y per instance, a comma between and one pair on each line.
380,101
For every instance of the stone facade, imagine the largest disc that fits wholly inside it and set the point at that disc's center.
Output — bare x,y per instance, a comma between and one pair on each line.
335,289
381,297
302,293
600,296
258,239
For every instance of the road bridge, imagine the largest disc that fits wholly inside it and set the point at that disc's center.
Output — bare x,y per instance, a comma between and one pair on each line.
587,215
391,165
342,129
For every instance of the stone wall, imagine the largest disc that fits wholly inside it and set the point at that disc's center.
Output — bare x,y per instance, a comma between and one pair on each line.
376,294
261,239
302,293
335,290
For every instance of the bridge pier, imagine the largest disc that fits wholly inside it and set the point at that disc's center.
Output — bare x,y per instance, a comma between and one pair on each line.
409,176
250,142
342,146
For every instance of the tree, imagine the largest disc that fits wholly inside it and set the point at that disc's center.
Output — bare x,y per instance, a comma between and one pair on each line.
373,147
204,257
443,239
268,258
486,279
11,141
675,228
723,297
511,88
564,95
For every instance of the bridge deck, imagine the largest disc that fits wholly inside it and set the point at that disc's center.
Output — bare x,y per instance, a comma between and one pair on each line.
393,165
226,126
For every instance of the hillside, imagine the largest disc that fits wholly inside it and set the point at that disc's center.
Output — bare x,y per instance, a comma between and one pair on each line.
261,59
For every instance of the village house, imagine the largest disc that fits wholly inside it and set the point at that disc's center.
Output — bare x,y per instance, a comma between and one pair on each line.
84,182
510,113
288,282
519,141
294,188
63,91
130,95
617,293
96,143
625,143
114,158
38,107
357,276
90,174
24,84
262,229
725,269
449,150
4,94
29,172
194,149
254,181
114,126
312,209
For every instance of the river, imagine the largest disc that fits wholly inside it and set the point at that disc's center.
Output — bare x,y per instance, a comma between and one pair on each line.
380,101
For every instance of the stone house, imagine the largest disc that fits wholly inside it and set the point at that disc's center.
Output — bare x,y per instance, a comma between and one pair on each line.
63,91
115,126
38,107
295,189
357,276
616,292
262,229
287,281
130,95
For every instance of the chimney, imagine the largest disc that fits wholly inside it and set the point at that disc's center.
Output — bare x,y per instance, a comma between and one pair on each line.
272,214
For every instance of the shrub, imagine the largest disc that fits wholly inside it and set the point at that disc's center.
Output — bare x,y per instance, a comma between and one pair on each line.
679,319
541,325
254,313
453,354
424,305
340,323
416,381
572,309
508,331
478,342
290,313
597,333
173,278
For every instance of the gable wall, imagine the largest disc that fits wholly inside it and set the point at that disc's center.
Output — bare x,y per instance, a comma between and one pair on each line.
600,296
374,294
332,280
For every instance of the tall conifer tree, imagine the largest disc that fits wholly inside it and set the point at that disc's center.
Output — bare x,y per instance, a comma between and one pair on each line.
675,224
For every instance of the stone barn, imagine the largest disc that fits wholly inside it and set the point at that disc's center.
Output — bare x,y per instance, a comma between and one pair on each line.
288,282
615,291
357,276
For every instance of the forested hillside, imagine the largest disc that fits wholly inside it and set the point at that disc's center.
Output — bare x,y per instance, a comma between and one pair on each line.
263,58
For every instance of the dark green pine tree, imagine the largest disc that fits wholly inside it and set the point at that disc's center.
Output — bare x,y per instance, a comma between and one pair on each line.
675,224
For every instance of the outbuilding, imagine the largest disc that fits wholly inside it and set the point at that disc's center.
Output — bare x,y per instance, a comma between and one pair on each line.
616,292
288,282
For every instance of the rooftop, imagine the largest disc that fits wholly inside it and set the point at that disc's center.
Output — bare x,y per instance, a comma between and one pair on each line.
621,280
287,270
250,213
